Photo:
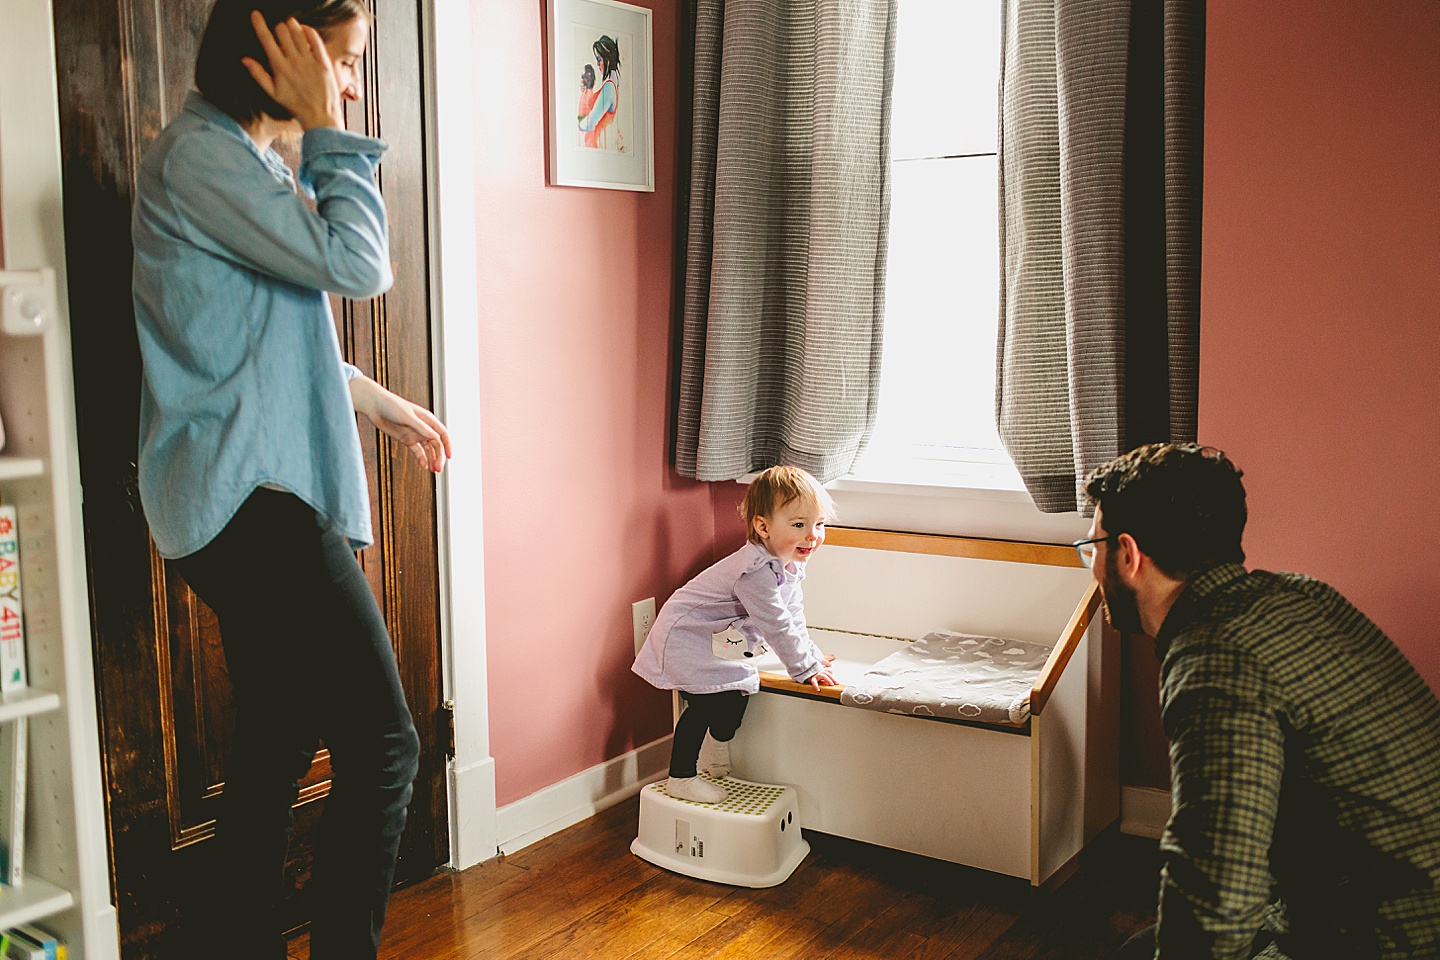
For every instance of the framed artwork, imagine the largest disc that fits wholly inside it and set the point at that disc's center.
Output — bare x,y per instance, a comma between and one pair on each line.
602,120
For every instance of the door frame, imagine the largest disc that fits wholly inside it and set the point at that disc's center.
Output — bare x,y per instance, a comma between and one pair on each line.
451,93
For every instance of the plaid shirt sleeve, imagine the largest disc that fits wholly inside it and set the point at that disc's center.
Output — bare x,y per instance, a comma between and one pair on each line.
1227,759
1267,677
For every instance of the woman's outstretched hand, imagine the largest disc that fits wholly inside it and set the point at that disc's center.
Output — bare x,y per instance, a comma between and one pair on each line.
301,77
412,425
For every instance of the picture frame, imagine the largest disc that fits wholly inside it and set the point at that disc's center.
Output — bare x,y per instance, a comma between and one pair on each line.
601,103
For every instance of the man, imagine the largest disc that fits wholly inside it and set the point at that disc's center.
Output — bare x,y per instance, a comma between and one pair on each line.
1304,748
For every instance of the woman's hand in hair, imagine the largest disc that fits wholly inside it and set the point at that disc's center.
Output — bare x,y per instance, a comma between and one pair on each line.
301,77
412,425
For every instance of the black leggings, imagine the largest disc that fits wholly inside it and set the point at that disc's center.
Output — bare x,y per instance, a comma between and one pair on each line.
309,660
719,713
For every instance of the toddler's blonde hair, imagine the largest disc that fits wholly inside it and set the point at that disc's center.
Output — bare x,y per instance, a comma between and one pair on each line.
777,487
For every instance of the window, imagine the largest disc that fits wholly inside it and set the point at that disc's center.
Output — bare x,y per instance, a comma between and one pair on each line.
936,417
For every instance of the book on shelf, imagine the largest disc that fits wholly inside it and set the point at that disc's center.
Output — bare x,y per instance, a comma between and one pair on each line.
14,741
12,611
29,942
19,948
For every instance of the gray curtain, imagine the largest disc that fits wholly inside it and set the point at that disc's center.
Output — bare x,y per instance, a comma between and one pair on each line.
784,234
1100,147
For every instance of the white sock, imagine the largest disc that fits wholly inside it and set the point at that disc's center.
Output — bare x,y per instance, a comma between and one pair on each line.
697,789
715,757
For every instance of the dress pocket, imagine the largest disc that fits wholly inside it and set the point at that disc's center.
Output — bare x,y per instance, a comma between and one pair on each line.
733,644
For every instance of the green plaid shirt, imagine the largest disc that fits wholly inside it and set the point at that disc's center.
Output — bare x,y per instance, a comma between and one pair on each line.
1305,777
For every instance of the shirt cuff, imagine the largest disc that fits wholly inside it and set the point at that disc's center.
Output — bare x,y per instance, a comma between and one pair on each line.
321,140
806,673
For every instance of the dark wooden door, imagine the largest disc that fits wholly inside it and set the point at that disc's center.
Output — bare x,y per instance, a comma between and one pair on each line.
165,708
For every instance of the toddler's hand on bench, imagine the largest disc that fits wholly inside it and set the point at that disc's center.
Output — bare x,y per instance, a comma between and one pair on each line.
824,677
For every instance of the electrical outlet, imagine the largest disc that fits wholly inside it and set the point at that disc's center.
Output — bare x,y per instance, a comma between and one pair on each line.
642,615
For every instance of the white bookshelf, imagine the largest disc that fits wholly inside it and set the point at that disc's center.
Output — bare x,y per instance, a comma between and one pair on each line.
66,876
20,468
31,901
27,703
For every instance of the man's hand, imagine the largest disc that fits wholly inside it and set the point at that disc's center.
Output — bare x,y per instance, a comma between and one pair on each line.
412,425
301,77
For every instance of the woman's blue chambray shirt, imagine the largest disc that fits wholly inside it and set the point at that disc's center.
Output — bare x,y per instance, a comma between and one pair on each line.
244,384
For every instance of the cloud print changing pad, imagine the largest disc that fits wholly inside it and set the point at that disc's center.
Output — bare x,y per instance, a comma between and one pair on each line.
953,675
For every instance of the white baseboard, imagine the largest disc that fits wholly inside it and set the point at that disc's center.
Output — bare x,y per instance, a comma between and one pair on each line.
560,805
1144,811
472,814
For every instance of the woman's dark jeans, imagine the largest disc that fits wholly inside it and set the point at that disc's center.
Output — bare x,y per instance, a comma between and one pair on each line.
310,660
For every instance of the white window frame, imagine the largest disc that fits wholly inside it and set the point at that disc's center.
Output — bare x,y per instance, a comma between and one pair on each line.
979,495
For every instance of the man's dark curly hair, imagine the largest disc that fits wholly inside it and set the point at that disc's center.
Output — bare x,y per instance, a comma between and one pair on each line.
1183,503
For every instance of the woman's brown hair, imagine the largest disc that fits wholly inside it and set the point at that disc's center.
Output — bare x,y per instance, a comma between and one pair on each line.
220,76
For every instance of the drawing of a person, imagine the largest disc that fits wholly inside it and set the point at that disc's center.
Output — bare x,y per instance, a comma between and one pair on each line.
597,122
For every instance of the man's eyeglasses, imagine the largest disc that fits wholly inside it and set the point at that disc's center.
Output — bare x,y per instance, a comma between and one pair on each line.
1086,549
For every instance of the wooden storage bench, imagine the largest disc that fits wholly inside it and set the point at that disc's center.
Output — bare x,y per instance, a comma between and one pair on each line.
1015,798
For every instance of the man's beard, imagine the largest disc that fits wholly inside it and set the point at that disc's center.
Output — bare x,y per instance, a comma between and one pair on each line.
1121,610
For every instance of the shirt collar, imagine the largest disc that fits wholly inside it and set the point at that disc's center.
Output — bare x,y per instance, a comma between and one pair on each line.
196,103
1193,599
759,557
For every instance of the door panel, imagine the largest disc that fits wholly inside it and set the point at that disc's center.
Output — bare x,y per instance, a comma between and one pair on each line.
164,698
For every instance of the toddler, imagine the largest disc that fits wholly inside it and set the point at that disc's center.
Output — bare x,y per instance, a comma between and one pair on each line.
710,629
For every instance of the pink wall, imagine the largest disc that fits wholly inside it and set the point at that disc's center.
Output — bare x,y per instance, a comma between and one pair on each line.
1320,349
582,512
1320,309
729,528
1320,362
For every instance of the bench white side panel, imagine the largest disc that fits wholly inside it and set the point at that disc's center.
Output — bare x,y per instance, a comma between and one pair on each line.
911,594
938,789
1060,735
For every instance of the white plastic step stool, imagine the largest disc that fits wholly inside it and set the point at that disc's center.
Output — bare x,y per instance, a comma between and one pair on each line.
752,839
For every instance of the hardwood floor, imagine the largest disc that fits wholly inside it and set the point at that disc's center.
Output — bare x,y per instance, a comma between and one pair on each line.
582,895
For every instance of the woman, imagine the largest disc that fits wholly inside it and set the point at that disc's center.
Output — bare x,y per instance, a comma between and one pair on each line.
251,473
596,124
